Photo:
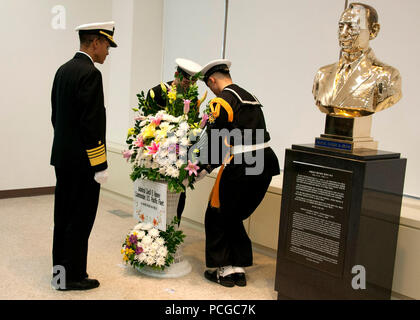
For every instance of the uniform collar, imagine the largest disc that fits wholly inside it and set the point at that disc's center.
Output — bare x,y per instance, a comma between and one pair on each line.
85,55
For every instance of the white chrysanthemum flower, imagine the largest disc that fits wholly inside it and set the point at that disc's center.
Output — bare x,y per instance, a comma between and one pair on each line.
180,133
160,261
150,260
172,157
174,172
154,233
162,170
138,226
184,126
160,241
141,234
147,226
172,140
147,240
154,246
142,257
179,163
155,165
162,252
152,252
185,141
183,151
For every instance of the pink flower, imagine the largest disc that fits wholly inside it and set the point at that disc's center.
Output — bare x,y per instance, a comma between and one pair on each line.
204,120
140,118
154,148
192,167
186,106
156,120
127,154
139,142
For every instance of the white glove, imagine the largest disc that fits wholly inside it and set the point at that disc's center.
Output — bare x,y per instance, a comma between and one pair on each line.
101,176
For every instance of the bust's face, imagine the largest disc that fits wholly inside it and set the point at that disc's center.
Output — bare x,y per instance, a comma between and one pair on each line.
353,30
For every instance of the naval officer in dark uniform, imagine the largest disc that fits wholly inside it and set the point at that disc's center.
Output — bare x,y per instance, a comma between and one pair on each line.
236,125
79,152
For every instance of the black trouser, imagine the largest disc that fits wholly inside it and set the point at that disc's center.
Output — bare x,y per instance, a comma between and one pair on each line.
75,205
227,242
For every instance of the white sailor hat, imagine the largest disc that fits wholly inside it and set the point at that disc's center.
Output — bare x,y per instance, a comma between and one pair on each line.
105,29
187,67
215,66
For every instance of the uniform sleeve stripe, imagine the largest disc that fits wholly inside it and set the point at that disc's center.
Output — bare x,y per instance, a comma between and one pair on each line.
98,160
96,149
93,154
96,155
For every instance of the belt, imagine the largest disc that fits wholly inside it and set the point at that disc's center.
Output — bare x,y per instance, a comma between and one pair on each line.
243,149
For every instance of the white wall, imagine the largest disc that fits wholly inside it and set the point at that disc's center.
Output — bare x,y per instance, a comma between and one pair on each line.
137,62
193,29
31,53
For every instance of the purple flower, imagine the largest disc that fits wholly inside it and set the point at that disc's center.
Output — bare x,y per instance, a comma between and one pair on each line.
133,239
139,250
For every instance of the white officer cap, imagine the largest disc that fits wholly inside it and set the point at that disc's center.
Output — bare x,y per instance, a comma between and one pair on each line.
187,67
105,29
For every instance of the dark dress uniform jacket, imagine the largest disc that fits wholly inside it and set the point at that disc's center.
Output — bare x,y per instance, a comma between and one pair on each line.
78,118
78,115
236,193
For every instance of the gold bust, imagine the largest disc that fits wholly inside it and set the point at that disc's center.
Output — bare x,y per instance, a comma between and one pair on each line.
358,84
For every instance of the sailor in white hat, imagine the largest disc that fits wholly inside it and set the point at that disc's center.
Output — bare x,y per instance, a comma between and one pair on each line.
241,184
79,152
186,74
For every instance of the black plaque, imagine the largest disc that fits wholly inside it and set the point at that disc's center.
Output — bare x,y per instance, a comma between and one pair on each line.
339,211
318,216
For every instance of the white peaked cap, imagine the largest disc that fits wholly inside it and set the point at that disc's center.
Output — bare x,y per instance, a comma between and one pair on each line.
105,29
214,66
188,66
110,25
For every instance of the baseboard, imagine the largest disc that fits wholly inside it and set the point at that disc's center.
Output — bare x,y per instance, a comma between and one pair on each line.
29,192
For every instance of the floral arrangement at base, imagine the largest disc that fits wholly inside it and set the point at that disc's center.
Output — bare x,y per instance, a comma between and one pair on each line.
145,245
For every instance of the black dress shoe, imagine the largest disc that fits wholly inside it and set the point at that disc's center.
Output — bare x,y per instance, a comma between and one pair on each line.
226,281
85,284
239,279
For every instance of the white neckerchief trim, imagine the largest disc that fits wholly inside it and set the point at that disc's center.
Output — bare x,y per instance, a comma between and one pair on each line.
256,102
87,55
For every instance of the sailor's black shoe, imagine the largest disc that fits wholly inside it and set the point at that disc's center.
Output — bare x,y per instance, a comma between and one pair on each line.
214,276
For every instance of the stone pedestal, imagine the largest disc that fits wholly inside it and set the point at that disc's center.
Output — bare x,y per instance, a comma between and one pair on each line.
339,223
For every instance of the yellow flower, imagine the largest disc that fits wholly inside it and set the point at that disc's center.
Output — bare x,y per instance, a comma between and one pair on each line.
125,258
161,134
149,131
131,132
152,93
172,96
162,85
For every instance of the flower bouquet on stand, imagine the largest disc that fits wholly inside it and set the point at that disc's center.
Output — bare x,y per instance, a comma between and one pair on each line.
164,165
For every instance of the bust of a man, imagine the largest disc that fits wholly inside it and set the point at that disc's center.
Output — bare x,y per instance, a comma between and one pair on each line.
358,84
